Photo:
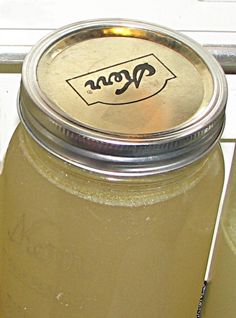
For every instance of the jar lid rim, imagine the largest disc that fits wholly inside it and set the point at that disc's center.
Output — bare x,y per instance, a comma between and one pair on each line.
122,152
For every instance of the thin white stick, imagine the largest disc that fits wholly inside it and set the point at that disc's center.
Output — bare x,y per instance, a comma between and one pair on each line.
228,151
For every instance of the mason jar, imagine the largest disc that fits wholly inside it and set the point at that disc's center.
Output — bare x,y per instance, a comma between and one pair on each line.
220,299
111,183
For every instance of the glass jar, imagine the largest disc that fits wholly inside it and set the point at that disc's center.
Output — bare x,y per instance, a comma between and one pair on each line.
105,209
220,300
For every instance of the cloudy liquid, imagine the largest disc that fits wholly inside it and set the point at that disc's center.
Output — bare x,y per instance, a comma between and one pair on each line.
220,300
78,245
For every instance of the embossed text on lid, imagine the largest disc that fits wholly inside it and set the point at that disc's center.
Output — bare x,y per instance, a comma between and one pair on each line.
133,85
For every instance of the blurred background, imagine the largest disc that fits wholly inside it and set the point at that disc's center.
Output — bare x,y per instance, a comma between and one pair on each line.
182,14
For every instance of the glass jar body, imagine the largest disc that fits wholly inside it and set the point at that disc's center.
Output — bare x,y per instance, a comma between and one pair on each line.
220,300
76,244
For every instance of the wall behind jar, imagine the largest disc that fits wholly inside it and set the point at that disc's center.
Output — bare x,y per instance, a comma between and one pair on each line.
217,15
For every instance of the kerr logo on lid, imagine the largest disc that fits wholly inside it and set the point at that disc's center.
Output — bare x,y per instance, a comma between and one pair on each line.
124,83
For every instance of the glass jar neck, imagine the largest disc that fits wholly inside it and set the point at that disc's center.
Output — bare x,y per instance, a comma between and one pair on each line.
110,190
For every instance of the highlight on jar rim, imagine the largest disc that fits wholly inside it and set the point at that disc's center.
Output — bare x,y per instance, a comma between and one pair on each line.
123,97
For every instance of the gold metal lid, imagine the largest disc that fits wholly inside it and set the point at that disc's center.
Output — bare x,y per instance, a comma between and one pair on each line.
122,97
